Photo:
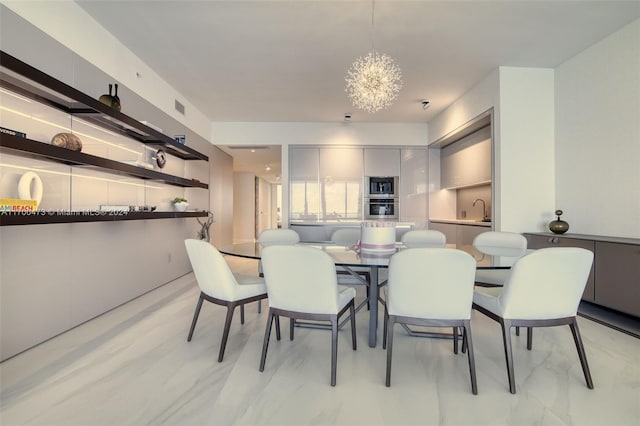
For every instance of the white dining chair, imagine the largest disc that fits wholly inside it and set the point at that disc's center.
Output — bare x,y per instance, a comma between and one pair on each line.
420,238
424,238
543,289
497,243
220,286
430,287
271,237
302,284
353,275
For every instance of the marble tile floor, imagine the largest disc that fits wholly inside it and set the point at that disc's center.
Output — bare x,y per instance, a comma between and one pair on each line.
133,366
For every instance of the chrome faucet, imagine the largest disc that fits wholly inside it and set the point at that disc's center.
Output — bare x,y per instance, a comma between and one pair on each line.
484,207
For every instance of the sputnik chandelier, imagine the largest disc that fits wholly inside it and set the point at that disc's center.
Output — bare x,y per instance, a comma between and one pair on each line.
373,81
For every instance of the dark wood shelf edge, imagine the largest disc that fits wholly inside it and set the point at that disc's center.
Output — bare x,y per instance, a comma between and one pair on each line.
34,149
50,217
96,110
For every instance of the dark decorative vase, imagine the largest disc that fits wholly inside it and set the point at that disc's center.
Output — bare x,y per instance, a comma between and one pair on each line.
111,100
107,99
558,226
115,103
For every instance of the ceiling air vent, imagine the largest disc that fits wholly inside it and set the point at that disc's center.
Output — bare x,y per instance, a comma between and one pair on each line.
179,107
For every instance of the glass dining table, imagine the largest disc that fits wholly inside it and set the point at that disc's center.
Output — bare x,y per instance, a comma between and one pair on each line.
346,258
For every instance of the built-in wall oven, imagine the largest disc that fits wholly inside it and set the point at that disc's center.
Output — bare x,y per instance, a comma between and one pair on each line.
381,197
381,208
381,187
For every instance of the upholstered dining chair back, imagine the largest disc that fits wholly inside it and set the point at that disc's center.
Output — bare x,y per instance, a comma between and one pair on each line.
424,238
346,236
271,237
213,274
546,284
431,287
500,243
300,278
431,283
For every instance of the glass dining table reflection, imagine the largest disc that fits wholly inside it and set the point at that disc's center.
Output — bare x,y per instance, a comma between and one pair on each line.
346,258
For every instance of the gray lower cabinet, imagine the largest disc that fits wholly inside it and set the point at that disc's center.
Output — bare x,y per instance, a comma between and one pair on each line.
614,281
448,229
461,235
618,276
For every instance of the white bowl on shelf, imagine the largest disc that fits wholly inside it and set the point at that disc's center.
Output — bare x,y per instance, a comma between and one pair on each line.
180,207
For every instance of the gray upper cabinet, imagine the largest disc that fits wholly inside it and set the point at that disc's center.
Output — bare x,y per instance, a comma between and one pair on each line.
382,162
341,163
304,164
467,162
413,185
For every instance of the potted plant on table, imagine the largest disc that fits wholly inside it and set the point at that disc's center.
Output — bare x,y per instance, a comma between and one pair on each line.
180,204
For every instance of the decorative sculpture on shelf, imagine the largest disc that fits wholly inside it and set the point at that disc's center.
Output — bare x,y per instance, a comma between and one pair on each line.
203,234
558,226
67,140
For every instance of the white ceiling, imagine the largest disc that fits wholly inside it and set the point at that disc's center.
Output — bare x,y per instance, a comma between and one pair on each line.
286,61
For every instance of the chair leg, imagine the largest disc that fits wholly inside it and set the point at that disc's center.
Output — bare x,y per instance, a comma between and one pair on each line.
455,340
508,353
292,324
517,331
277,320
227,326
259,306
581,353
384,331
352,314
334,349
391,321
529,338
466,339
195,317
265,343
368,303
241,314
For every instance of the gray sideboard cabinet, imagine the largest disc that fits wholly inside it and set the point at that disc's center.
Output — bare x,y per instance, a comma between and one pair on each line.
614,281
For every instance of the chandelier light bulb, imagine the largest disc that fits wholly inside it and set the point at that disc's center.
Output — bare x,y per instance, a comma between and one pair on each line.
373,82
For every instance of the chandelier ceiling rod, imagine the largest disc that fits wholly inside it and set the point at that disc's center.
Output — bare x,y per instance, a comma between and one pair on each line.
373,81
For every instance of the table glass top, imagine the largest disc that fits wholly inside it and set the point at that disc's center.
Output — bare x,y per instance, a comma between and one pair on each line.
346,256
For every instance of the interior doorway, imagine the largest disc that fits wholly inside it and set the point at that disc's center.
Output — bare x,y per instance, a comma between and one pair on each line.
257,202
268,205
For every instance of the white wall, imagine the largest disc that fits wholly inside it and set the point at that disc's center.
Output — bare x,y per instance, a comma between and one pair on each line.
598,136
56,276
522,100
244,217
524,163
285,134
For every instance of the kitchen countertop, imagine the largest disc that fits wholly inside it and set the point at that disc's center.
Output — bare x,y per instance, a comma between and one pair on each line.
469,222
603,238
345,223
